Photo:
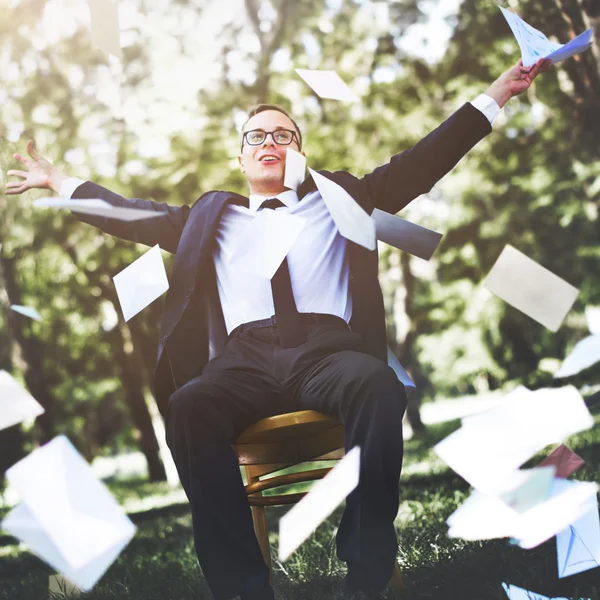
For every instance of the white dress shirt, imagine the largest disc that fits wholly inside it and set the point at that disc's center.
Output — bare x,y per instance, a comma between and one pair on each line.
318,262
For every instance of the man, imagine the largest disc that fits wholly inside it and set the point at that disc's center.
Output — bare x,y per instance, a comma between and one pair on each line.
236,347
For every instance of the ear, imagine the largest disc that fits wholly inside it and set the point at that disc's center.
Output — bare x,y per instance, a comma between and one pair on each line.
241,161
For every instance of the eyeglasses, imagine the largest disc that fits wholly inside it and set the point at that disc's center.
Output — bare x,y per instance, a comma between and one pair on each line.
282,137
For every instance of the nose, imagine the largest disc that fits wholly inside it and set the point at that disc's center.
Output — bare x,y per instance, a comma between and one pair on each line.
272,142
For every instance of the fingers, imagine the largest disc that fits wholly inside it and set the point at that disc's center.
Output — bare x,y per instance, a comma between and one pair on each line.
15,187
31,150
12,172
28,163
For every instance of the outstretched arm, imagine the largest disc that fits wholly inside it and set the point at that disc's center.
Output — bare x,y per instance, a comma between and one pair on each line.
415,171
164,230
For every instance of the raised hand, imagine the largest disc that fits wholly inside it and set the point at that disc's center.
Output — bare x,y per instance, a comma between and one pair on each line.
516,80
40,173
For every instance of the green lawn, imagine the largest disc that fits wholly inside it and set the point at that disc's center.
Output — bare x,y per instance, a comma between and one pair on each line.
160,563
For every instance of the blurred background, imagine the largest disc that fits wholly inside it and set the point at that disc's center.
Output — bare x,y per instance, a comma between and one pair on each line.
163,123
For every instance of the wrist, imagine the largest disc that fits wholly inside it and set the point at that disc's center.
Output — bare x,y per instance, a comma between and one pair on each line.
500,92
55,180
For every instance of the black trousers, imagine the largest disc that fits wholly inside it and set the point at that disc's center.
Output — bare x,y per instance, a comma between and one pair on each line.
254,378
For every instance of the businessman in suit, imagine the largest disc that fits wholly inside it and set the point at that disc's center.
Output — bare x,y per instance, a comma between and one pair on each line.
235,348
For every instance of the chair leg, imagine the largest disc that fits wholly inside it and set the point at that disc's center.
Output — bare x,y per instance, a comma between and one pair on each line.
397,580
260,525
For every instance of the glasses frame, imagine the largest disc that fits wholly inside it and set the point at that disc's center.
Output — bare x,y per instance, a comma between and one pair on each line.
272,134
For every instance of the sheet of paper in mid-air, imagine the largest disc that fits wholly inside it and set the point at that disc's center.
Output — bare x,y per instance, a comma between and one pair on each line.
517,593
535,45
98,207
578,546
266,242
486,516
325,495
565,461
27,311
142,282
351,220
104,21
16,403
327,84
404,235
531,288
295,169
66,516
493,444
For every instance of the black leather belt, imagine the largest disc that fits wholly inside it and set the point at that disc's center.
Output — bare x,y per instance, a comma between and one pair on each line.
307,319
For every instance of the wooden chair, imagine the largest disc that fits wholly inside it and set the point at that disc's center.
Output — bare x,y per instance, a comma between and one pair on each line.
278,442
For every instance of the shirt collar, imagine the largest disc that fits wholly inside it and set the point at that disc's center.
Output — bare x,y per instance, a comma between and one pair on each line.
289,198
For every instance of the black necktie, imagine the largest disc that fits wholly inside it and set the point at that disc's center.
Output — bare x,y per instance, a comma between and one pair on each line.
291,332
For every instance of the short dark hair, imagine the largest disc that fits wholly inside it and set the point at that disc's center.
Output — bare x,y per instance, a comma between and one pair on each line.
255,110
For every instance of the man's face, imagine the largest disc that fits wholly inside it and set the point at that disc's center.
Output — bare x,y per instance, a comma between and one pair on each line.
264,165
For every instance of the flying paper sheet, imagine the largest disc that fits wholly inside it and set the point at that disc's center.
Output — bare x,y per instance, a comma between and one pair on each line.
527,488
58,584
517,593
142,282
492,444
585,354
104,20
531,288
96,206
28,311
565,461
16,404
325,495
266,242
354,223
295,169
535,45
592,316
578,546
66,516
401,374
484,516
404,235
327,84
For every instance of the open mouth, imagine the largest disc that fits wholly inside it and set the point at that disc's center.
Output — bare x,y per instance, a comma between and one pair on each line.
269,158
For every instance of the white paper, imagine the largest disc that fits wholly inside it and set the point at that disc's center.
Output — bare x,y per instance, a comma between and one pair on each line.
28,311
401,374
16,404
324,497
66,515
104,20
527,488
531,288
404,235
485,516
266,242
535,45
585,354
295,169
578,546
354,223
327,84
98,207
517,593
592,316
491,445
142,282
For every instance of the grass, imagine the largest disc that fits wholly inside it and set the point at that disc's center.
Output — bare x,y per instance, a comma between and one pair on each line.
160,562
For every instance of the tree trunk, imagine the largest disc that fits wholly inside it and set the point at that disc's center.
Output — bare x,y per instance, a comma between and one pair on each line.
30,353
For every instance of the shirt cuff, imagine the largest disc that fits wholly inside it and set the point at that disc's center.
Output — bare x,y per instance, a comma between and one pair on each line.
488,106
68,187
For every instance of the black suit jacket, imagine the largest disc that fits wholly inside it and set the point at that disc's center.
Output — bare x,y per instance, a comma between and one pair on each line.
192,330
